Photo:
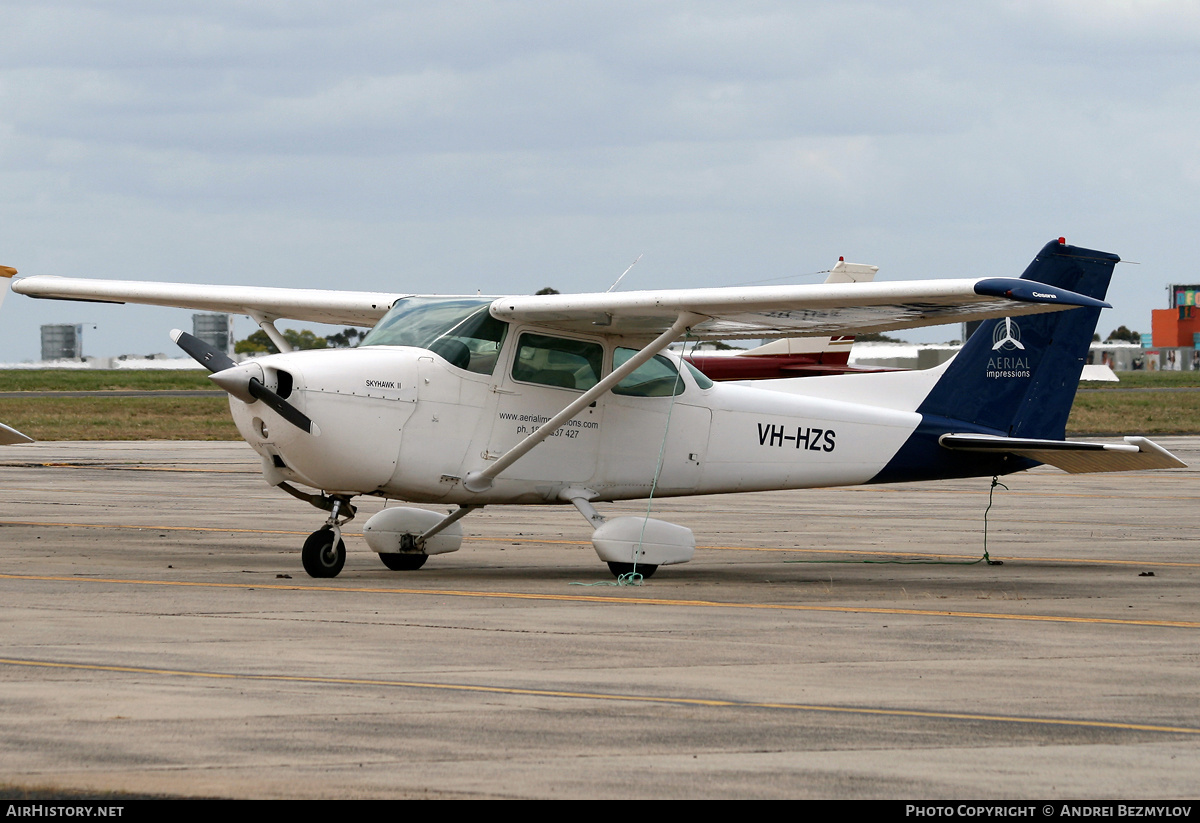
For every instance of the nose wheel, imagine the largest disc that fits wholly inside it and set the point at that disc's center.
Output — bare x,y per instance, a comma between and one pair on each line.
324,553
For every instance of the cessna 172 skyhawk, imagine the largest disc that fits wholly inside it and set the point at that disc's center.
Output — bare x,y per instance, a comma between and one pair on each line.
472,401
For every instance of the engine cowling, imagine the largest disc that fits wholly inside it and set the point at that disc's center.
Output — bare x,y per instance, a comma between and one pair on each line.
358,400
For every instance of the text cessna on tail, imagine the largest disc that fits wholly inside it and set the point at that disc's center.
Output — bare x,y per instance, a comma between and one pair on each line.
472,401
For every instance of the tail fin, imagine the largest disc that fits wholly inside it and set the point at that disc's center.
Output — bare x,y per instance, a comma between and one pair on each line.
1018,376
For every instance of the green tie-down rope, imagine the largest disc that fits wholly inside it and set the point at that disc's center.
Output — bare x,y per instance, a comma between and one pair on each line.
633,578
985,559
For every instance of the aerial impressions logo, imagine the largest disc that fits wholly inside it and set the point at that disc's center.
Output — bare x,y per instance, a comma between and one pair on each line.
1006,337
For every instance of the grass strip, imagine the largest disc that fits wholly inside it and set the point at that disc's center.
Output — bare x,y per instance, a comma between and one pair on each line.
120,418
207,418
103,379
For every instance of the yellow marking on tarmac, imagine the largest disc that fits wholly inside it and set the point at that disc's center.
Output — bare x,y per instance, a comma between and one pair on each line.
523,539
613,696
631,601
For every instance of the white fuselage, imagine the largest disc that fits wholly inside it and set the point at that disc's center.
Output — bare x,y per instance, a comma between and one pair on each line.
403,423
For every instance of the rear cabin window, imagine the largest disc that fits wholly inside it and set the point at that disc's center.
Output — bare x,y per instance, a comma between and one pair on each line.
702,379
657,377
558,361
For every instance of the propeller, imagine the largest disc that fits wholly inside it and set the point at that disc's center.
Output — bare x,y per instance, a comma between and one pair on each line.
201,352
243,382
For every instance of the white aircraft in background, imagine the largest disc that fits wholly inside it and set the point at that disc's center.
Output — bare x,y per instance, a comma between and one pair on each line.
8,435
569,399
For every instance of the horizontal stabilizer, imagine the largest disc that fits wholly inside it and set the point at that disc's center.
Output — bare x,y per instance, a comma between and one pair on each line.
1136,453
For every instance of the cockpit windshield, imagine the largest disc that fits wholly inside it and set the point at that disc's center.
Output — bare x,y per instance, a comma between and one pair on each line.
461,330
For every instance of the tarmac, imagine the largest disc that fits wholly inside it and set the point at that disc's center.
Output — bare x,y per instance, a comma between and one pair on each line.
158,635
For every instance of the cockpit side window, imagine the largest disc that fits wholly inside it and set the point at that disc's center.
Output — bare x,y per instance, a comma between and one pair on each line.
462,330
558,361
474,344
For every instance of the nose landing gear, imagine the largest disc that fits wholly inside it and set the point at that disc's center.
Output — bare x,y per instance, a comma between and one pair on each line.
324,552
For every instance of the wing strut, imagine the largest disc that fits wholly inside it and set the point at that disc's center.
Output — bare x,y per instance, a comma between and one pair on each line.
481,481
449,520
268,326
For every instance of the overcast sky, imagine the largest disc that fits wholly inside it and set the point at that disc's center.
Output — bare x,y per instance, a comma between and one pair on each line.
505,146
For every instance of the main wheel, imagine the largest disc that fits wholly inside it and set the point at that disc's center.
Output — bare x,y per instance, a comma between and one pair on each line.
403,562
646,570
321,558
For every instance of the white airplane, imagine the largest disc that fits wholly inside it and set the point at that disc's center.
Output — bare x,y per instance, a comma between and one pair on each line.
569,399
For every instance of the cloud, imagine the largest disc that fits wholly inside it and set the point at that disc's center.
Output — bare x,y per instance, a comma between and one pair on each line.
276,142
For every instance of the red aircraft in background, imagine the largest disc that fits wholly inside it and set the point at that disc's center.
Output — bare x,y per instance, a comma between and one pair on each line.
789,357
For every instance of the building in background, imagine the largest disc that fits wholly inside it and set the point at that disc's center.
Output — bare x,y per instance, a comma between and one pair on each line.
62,341
1178,326
214,329
1175,332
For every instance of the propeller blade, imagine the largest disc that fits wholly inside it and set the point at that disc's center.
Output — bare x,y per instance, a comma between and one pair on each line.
201,352
285,409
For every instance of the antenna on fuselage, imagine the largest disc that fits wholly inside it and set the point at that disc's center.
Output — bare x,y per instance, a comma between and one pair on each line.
622,277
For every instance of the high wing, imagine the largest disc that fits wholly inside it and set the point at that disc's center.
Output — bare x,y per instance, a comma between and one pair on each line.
792,311
728,313
349,308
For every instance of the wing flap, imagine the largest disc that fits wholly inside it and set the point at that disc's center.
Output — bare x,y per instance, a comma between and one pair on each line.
1073,456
